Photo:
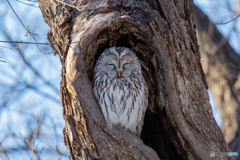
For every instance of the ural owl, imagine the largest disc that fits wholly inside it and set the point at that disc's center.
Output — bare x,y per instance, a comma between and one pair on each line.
120,88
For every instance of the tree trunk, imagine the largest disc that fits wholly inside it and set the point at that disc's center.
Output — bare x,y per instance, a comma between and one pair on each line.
179,123
221,66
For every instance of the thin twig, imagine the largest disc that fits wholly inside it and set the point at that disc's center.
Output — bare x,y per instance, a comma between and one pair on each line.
14,47
234,65
18,17
33,148
19,51
4,152
228,21
2,60
37,127
79,9
31,34
32,5
57,44
11,134
33,138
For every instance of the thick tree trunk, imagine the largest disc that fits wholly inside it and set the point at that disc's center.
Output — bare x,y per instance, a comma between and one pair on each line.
221,66
179,123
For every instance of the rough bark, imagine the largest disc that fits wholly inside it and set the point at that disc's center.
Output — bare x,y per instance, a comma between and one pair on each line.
179,122
221,66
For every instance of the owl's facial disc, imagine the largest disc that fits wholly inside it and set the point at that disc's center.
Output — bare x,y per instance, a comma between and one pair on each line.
119,67
110,65
127,65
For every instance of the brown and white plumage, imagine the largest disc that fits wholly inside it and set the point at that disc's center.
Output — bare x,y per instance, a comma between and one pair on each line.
120,88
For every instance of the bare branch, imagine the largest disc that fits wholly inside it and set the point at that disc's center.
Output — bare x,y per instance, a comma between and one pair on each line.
4,152
39,75
32,139
18,17
2,60
33,148
31,34
37,127
14,47
22,56
234,65
32,5
57,44
228,21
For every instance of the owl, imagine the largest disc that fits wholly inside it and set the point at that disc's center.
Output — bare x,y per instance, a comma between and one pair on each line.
120,88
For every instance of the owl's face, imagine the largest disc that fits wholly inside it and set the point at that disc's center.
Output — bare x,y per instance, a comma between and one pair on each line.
119,63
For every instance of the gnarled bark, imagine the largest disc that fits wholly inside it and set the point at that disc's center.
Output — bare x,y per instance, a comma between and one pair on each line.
179,122
221,66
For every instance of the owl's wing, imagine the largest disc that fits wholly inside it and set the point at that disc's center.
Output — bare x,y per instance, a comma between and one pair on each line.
139,128
95,93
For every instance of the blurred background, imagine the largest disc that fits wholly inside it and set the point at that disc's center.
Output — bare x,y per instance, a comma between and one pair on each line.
31,120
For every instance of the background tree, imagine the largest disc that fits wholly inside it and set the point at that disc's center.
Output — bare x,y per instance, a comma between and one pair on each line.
221,66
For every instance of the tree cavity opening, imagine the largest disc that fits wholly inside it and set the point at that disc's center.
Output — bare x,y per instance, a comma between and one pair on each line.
157,130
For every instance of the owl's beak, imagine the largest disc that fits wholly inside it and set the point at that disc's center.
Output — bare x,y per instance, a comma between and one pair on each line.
119,74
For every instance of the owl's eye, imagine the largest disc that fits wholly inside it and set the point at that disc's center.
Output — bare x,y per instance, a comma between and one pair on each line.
126,64
111,65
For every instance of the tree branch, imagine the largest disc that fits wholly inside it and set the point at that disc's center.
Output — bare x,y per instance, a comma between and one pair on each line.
228,21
